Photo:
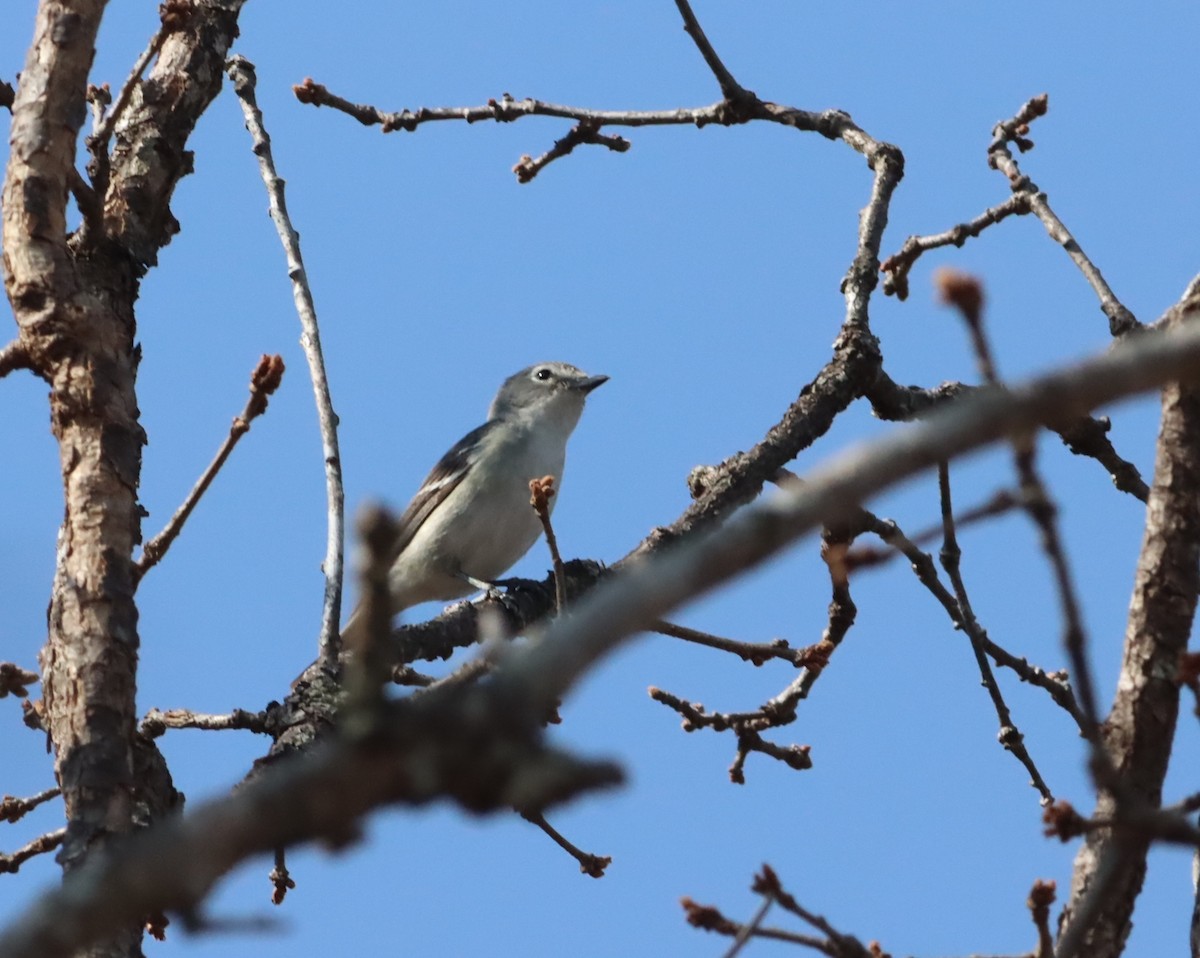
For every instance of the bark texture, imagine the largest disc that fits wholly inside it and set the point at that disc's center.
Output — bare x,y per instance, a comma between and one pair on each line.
73,299
1140,729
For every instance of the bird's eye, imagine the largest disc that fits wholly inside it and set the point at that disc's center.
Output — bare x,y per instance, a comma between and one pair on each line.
543,374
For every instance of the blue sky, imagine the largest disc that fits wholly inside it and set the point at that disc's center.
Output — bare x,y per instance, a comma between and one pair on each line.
700,271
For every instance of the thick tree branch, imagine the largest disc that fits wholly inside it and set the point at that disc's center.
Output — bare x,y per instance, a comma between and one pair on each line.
478,747
1139,732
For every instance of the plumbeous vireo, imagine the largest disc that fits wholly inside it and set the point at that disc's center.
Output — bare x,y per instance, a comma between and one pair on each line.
471,519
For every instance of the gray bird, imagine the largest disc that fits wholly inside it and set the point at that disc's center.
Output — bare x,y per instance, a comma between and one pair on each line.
471,519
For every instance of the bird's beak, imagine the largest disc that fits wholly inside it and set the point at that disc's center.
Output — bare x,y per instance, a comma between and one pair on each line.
585,386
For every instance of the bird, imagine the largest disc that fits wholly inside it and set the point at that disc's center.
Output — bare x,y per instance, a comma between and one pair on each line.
471,519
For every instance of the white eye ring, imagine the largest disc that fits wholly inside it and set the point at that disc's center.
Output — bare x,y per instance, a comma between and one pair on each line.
543,374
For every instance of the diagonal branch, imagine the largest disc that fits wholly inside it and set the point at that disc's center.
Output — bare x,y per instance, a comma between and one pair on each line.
263,382
730,88
1016,130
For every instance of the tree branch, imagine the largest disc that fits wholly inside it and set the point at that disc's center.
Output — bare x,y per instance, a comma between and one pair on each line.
1139,731
241,71
264,380
1016,130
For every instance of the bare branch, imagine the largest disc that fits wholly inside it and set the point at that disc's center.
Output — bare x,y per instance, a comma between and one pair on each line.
832,943
10,864
748,930
756,653
523,603
1084,435
241,71
264,380
583,132
506,109
730,88
1016,130
13,809
898,265
710,918
1088,436
1010,736
589,864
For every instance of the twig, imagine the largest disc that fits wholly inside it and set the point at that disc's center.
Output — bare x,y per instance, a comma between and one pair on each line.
1088,436
755,653
710,918
584,131
156,722
899,264
10,864
1010,736
766,883
832,124
923,567
1016,130
746,726
965,293
7,95
506,109
540,493
748,930
14,679
241,71
862,557
730,88
589,864
1083,435
263,382
280,877
13,809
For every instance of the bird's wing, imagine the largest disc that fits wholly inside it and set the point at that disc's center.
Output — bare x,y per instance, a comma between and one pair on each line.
442,480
